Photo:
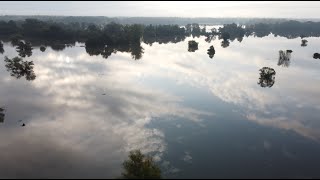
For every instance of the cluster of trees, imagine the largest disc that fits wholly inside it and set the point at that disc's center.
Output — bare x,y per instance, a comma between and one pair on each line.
163,34
18,68
289,29
140,166
24,49
113,37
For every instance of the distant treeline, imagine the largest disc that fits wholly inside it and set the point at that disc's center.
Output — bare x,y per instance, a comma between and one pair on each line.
181,21
114,34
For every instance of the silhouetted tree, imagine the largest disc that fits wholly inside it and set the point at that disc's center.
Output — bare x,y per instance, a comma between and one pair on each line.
107,51
15,39
136,51
192,46
304,42
211,52
24,49
93,51
1,48
58,46
267,77
231,31
2,115
225,43
140,166
42,48
316,56
18,68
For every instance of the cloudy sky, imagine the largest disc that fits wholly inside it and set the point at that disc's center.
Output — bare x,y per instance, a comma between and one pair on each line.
165,8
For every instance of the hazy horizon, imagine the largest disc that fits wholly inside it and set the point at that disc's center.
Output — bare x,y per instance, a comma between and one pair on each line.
189,9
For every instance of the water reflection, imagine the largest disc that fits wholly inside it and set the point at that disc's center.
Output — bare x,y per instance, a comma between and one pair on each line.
304,42
58,46
42,48
192,46
316,56
267,77
211,52
24,49
284,58
1,48
2,115
81,133
225,43
18,68
136,50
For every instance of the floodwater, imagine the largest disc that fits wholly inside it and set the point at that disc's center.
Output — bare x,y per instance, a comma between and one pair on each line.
199,117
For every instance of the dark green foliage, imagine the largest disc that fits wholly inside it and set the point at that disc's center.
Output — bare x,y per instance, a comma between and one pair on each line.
231,31
225,43
139,166
163,34
304,42
18,68
24,49
316,56
192,46
267,77
58,46
42,48
15,39
211,52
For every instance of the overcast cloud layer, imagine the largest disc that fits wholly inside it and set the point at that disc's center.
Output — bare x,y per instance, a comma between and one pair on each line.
275,9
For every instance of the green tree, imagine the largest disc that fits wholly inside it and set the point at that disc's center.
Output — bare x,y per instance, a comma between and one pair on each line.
140,166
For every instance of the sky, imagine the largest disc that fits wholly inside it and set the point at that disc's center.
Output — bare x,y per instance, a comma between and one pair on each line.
269,9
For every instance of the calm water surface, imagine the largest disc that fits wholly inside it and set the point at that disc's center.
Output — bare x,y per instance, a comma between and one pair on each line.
198,117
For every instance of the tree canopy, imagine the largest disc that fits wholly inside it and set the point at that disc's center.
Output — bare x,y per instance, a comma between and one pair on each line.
140,166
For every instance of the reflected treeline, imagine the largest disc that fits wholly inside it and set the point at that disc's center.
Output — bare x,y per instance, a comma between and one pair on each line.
267,77
18,68
163,34
284,58
2,115
127,38
24,49
135,50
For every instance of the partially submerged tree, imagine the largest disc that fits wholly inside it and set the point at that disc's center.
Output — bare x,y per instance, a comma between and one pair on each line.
316,56
140,166
211,52
18,68
42,48
304,42
24,49
267,77
192,46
